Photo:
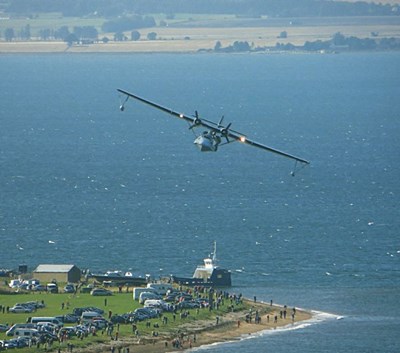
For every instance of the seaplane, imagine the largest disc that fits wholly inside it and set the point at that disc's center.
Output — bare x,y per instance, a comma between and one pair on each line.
215,134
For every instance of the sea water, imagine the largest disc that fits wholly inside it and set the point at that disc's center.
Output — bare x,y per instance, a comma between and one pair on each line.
83,183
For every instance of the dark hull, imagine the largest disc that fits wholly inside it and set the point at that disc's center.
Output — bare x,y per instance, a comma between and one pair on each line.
120,280
218,278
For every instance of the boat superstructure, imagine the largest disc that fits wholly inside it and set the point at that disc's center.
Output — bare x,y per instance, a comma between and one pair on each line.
209,274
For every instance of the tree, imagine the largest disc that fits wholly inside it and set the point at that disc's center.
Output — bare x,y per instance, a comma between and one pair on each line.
152,36
9,34
71,39
45,34
339,39
86,33
283,34
135,35
62,33
218,46
119,36
26,32
241,46
316,46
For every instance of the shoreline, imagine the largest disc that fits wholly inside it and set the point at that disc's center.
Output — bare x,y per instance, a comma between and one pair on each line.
227,324
230,328
60,48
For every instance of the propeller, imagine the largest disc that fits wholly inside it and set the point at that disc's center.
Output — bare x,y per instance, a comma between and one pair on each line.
224,130
196,121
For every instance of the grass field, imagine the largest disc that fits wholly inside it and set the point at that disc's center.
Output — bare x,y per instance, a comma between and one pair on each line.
118,303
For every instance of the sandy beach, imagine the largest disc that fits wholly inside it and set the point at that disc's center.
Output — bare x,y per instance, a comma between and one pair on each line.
231,327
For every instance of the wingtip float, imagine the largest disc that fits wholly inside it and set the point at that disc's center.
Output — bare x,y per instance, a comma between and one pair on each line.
216,135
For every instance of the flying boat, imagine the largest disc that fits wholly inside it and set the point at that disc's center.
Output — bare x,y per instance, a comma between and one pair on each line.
215,134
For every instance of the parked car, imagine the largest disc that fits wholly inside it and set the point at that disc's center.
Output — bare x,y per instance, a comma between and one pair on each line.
146,313
69,331
87,289
148,295
28,284
88,316
17,327
4,328
9,344
20,309
35,304
79,311
52,288
47,336
39,288
69,288
82,330
186,304
119,319
99,323
14,283
68,318
100,291
46,327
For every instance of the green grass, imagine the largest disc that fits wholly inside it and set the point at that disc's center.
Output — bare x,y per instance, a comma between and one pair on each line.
118,303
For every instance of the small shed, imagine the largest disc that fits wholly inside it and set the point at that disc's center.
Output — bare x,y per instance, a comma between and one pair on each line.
60,273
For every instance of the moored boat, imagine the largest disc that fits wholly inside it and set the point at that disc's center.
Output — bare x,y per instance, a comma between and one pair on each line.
207,275
119,278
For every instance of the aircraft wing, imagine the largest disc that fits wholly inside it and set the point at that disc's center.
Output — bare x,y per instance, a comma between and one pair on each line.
244,139
218,128
194,120
160,107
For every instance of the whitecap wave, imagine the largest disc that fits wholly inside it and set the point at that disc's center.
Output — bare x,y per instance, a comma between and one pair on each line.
317,317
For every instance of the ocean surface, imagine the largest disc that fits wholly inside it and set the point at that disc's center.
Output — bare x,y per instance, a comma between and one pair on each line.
83,183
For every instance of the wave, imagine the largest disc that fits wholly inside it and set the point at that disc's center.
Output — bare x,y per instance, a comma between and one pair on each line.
317,317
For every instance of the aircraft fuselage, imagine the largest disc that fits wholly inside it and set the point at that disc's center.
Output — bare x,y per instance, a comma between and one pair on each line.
207,142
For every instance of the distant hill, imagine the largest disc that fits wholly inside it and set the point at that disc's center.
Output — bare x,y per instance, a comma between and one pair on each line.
250,8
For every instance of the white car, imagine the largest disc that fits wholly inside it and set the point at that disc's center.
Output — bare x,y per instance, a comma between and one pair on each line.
14,283
20,309
69,288
99,323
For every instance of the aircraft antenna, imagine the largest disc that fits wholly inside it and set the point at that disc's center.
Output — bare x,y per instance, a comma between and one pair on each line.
215,252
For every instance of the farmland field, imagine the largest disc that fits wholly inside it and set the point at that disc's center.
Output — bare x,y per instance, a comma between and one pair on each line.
190,33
